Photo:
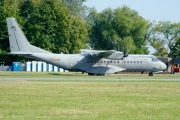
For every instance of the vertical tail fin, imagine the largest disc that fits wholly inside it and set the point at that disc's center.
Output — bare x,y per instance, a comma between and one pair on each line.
18,41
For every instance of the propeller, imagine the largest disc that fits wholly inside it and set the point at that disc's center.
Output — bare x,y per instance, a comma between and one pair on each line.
125,53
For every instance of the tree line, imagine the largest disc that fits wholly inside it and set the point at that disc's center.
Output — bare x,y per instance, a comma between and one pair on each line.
68,26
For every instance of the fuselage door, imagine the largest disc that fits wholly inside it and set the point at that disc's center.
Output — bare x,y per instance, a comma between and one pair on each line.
121,63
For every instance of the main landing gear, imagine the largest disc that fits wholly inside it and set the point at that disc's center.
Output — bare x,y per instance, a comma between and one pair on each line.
92,74
150,74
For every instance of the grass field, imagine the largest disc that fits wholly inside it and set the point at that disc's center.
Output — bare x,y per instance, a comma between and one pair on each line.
140,97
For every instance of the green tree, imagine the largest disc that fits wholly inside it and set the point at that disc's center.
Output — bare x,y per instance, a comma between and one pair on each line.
99,30
94,29
43,19
118,29
171,36
50,26
165,38
46,23
8,8
79,35
76,7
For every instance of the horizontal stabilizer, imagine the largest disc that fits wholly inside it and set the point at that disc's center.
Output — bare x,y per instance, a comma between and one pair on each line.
19,53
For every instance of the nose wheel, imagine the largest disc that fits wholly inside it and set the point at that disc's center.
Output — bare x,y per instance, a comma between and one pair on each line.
150,74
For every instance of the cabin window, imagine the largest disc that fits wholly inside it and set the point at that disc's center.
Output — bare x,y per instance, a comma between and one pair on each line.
124,61
114,61
130,61
117,61
134,61
137,61
101,61
127,61
104,61
111,61
140,61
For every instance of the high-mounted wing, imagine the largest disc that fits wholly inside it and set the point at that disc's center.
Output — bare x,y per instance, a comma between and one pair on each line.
97,52
109,54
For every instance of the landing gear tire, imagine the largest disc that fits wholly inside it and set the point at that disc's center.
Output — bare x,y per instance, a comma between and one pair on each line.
150,74
101,74
90,74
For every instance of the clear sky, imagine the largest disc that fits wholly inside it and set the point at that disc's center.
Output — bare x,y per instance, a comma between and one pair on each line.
153,10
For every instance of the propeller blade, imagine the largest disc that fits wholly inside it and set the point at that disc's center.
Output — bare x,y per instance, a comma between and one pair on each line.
125,53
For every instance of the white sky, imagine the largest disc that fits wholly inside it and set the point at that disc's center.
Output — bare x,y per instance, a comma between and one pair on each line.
153,10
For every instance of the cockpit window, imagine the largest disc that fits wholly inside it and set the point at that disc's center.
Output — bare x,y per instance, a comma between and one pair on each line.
155,59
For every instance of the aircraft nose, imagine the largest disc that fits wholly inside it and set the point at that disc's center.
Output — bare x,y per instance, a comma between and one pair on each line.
163,66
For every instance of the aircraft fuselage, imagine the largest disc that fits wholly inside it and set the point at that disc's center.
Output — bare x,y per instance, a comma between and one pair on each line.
79,62
94,62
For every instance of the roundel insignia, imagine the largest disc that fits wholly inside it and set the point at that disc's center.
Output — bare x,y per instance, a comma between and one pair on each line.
54,59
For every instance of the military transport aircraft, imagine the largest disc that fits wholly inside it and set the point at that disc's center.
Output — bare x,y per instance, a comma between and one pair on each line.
93,62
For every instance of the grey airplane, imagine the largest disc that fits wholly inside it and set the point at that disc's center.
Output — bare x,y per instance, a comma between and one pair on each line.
93,62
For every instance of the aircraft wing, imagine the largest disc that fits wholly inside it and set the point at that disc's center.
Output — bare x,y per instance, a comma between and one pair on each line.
95,53
102,69
109,54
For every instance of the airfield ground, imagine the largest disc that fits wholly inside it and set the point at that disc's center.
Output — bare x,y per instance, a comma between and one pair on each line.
28,95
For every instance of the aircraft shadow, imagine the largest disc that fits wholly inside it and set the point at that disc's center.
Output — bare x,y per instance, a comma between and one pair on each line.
70,74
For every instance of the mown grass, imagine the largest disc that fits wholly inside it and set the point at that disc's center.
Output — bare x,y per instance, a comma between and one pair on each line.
80,75
89,99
